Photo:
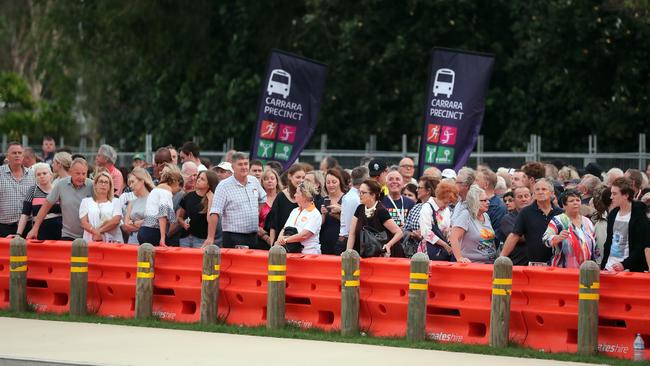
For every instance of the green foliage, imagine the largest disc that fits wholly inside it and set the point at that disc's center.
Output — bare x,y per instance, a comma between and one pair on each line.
564,69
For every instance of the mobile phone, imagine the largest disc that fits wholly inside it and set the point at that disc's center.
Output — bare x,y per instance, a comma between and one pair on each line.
327,202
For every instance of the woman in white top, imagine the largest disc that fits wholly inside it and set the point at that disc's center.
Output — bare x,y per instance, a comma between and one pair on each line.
141,184
306,220
433,243
101,214
159,210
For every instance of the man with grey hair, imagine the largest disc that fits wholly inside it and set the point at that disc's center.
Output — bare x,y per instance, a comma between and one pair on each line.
236,203
349,204
611,176
106,158
531,225
464,180
68,192
29,157
15,182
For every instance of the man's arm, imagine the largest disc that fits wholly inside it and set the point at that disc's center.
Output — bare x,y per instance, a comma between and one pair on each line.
511,242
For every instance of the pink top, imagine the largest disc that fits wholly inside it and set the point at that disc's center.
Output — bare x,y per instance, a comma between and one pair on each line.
118,179
263,213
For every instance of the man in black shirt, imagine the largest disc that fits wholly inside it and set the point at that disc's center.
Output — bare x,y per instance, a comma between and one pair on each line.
531,224
522,200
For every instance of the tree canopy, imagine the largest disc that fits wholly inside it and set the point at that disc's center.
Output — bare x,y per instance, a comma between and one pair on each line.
564,69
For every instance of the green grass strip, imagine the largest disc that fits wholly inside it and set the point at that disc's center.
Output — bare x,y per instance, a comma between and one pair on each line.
315,334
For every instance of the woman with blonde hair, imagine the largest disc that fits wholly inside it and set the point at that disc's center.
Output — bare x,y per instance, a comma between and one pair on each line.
159,209
60,165
472,236
100,214
300,233
141,185
50,229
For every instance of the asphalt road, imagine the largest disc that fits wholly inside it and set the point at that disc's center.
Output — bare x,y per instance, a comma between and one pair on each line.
41,342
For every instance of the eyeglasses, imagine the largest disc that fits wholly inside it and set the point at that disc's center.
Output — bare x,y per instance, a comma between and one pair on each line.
103,182
361,193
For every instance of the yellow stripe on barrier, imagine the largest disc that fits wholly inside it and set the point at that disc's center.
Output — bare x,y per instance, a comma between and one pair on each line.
217,267
351,283
15,258
277,278
144,265
501,292
418,286
78,259
588,296
357,273
18,269
595,285
206,277
78,269
144,275
419,276
277,267
502,281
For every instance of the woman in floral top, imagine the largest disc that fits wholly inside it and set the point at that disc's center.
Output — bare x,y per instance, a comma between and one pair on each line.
570,235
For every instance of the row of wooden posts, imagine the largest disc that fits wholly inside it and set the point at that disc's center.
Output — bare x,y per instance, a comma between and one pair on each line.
277,266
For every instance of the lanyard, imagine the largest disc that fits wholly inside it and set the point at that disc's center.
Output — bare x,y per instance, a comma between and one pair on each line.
400,213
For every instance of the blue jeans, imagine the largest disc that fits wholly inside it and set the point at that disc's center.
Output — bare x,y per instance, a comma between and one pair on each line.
191,241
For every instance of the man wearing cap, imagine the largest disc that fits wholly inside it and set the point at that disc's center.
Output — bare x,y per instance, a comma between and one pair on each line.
138,161
236,204
378,170
106,158
224,170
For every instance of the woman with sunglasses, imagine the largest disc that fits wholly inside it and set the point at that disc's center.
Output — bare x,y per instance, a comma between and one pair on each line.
472,236
101,213
373,214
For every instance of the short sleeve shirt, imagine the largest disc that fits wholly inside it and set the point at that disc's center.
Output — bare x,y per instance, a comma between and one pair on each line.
532,223
13,193
69,198
238,205
478,244
309,219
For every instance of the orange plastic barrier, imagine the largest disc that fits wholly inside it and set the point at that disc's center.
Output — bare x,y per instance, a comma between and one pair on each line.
243,286
459,301
4,273
313,293
544,308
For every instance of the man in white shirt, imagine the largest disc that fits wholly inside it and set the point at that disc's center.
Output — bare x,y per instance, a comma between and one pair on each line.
349,204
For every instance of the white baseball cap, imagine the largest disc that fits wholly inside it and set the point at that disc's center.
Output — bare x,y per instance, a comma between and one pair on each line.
449,174
225,166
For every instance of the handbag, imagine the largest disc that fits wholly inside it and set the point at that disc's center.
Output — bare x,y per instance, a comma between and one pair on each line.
292,247
372,242
409,245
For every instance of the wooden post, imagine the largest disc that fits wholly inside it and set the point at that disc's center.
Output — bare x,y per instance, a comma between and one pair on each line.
18,274
417,310
501,294
210,284
350,292
588,308
78,277
144,281
277,279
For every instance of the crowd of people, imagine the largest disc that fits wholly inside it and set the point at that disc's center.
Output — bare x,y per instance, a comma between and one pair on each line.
542,213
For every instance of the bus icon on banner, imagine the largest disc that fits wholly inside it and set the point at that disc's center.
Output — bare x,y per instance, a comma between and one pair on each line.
444,82
279,83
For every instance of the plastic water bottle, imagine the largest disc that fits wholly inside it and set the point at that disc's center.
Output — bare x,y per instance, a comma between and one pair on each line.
638,348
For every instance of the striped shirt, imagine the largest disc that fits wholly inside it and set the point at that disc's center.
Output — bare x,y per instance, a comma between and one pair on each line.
238,205
13,193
